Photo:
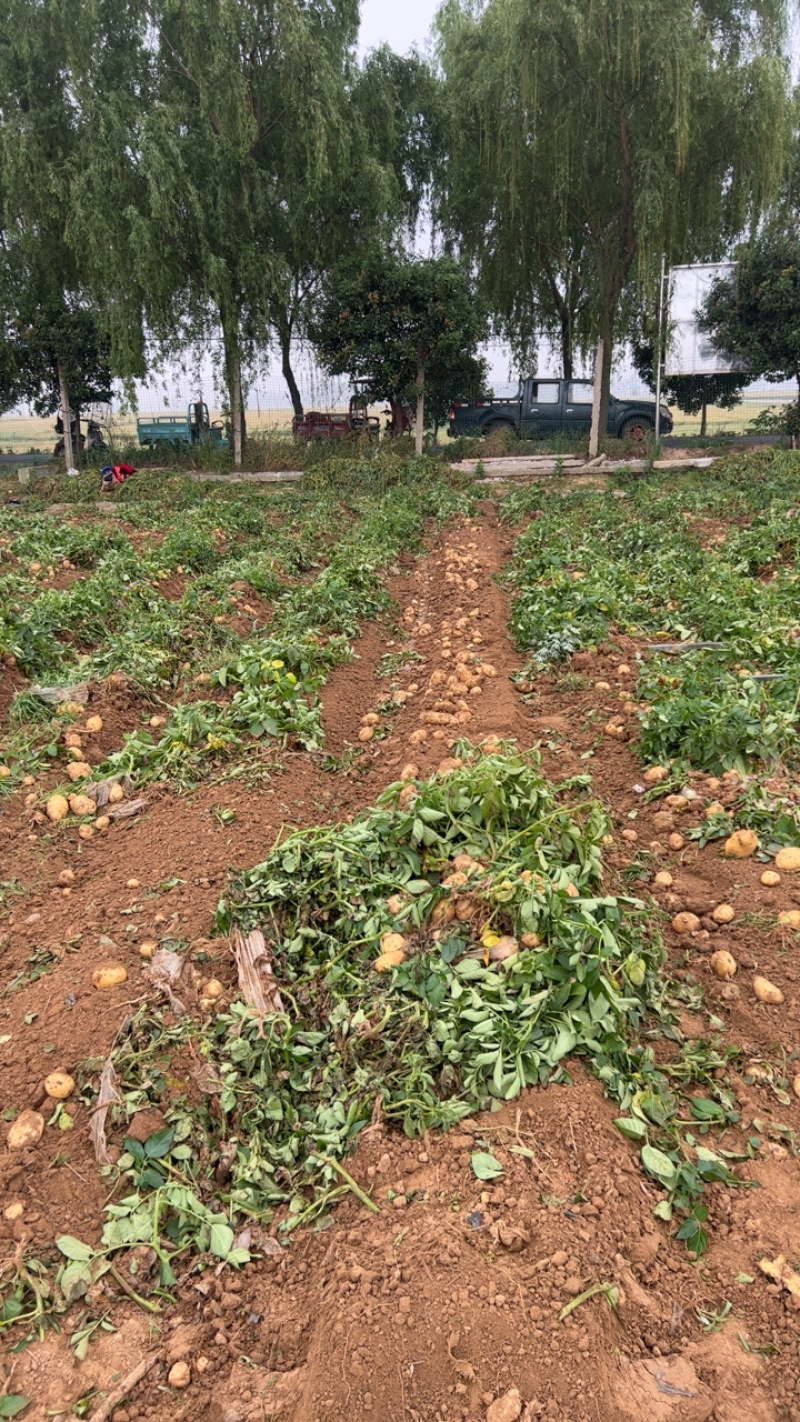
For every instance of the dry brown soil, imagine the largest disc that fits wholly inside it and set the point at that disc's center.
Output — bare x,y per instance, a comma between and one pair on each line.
445,1305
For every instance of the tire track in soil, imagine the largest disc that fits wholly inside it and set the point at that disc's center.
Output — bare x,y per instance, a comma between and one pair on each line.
414,1315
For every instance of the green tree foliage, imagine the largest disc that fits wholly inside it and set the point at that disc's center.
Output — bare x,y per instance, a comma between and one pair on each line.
692,393
755,317
589,139
55,345
246,127
392,143
399,324
55,342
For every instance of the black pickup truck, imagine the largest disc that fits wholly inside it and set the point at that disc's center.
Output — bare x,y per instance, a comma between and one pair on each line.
544,408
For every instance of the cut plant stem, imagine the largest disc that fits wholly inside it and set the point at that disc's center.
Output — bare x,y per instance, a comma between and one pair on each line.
352,1184
610,1291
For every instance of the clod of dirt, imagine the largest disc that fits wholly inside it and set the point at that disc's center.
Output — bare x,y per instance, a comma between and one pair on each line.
723,964
788,859
110,976
766,991
59,1085
506,1408
180,1375
26,1131
685,923
742,844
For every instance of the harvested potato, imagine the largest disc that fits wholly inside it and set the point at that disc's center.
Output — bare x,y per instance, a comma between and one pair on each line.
393,943
110,976
602,686
73,741
741,844
59,1085
723,913
770,879
630,836
410,771
57,808
78,770
94,724
467,908
102,823
417,737
623,670
148,948
685,923
26,1131
676,841
715,808
392,958
66,876
663,880
796,1086
788,859
213,989
790,918
180,1375
366,734
370,719
156,721
530,940
82,805
766,991
723,964
85,831
572,891
507,947
444,912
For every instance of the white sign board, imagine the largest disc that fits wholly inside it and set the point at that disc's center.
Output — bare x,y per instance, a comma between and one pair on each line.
689,350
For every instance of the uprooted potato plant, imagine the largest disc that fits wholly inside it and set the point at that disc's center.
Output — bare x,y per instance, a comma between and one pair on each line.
450,946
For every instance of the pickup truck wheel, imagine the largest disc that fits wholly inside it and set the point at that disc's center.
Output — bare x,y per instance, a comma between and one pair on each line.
494,426
637,430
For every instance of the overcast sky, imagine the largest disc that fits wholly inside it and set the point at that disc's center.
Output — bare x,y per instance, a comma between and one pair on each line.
400,23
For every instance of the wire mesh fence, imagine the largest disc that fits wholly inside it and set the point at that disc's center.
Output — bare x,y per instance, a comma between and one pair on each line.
171,391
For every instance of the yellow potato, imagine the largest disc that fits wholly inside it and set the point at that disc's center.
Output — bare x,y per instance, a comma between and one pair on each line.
444,912
82,805
110,976
788,859
655,774
769,878
790,918
685,923
507,947
663,880
393,943
59,1085
78,770
723,913
741,844
67,876
94,724
366,733
115,795
26,1131
676,841
391,959
410,771
723,964
57,808
766,991
102,822
213,989
148,948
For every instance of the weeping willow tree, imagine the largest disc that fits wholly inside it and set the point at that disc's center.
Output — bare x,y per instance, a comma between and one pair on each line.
587,139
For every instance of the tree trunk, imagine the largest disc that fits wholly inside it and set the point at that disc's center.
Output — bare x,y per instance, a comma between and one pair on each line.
420,420
594,435
703,420
229,321
285,338
605,379
66,421
566,345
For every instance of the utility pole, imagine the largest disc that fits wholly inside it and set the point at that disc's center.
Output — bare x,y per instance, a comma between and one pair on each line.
659,348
